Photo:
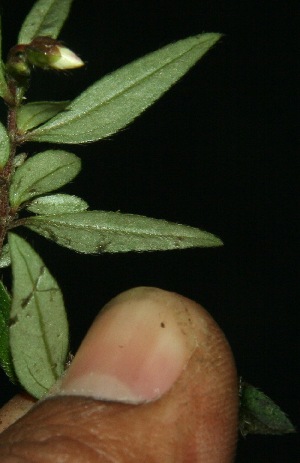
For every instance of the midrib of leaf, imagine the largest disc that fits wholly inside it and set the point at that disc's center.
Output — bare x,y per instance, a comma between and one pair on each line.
47,175
40,317
49,9
117,229
123,91
32,186
84,227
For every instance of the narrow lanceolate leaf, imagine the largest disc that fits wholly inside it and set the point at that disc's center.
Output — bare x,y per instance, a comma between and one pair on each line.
4,146
38,323
42,173
94,232
260,415
36,113
57,204
5,354
46,18
114,101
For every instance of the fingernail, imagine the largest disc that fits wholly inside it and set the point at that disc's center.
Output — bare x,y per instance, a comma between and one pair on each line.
135,350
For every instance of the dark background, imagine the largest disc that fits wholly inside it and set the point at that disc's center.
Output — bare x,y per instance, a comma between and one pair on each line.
217,152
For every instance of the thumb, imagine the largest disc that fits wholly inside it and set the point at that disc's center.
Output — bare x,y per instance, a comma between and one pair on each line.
153,381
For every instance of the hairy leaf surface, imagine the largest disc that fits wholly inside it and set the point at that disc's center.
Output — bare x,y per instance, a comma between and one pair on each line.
100,231
4,145
46,18
44,172
5,256
36,113
57,204
38,324
5,354
117,99
260,415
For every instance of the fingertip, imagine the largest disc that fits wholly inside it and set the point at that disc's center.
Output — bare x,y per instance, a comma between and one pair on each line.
193,420
136,349
176,358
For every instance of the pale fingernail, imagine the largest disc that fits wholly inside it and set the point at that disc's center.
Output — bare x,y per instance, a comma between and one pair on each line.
135,350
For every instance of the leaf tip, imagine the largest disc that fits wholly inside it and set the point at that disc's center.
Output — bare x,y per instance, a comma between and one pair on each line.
260,415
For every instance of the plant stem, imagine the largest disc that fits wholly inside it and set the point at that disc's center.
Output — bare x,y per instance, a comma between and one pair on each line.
7,214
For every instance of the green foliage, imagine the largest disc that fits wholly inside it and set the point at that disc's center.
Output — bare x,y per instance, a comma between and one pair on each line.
100,231
46,18
5,354
260,415
42,173
5,257
57,204
36,113
118,98
4,146
35,336
33,324
38,325
3,84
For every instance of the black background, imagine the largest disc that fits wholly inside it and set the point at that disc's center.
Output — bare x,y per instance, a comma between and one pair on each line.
217,152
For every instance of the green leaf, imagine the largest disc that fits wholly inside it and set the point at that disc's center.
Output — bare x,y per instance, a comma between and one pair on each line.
260,415
114,101
95,232
44,172
5,354
57,204
4,146
3,85
38,323
36,113
46,18
5,257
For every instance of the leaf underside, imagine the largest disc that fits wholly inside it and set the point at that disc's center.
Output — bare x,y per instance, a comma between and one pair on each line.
57,204
93,232
44,172
38,324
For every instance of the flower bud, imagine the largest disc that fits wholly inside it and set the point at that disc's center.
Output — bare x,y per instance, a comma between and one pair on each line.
47,53
67,60
17,65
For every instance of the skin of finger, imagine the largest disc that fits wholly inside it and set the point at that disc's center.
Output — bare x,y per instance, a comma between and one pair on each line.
194,422
15,409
